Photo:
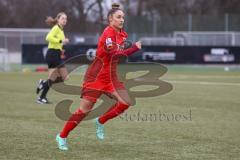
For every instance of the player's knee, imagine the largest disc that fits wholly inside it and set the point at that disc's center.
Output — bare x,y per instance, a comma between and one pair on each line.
125,99
86,109
126,102
59,80
78,111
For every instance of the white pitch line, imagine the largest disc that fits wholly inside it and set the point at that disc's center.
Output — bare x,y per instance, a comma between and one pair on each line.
205,76
205,83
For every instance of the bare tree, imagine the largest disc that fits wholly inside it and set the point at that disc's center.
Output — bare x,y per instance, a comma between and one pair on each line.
90,15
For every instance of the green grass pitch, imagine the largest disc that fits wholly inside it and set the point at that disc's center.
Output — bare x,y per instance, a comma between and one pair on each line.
198,119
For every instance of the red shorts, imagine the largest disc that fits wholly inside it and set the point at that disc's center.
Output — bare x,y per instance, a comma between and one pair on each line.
93,90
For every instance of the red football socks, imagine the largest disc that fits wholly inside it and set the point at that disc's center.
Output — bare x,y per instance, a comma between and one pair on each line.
114,111
72,122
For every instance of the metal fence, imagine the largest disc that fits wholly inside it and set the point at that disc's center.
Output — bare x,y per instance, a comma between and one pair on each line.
13,38
209,38
160,30
180,38
167,24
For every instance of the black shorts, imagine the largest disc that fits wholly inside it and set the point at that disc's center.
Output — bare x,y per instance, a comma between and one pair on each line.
53,58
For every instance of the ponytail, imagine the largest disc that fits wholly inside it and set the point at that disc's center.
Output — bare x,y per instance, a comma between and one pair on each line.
53,21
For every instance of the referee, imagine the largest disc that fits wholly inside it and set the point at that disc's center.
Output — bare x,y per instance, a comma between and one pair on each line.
54,58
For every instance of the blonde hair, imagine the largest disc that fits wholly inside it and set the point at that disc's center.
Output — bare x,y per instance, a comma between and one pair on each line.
53,21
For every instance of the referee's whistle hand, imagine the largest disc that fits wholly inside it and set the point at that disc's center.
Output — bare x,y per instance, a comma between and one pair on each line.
66,40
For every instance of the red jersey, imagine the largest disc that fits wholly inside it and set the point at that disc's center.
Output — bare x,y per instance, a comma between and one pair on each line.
104,67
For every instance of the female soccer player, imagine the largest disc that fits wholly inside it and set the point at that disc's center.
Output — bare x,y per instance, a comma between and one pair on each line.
56,72
101,78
